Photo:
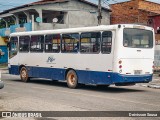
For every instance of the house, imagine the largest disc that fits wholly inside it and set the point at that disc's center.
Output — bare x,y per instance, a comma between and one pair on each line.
52,14
136,12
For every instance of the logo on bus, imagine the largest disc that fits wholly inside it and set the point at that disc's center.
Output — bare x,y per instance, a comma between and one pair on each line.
50,59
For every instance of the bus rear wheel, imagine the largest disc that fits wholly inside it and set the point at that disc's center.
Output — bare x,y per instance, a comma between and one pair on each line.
24,74
72,79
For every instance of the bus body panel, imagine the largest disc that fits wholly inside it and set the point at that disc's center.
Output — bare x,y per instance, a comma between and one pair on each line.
136,64
84,77
39,67
135,59
121,78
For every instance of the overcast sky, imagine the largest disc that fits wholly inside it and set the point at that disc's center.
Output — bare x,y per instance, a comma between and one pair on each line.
6,4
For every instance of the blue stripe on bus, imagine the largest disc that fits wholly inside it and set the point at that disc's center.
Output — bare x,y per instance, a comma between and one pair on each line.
119,78
85,77
14,70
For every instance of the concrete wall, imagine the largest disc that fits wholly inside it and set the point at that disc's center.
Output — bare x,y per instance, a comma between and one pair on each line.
149,6
78,14
85,17
48,26
125,12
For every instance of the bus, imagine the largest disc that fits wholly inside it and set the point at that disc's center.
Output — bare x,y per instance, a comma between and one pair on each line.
100,55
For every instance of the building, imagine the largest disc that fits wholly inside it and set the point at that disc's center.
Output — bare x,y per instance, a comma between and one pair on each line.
52,14
46,15
136,12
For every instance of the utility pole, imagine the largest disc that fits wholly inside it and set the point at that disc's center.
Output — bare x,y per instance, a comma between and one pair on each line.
99,12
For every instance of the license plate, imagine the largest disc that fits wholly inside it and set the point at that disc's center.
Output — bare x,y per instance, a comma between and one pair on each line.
137,72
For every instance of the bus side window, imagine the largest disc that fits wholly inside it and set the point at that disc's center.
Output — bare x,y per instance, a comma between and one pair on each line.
70,42
106,44
24,43
36,44
13,47
52,43
90,42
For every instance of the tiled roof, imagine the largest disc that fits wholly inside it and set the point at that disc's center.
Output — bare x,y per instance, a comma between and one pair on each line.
47,2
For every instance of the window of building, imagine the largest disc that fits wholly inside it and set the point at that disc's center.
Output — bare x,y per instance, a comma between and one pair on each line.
24,43
106,43
70,42
37,43
90,42
13,48
52,43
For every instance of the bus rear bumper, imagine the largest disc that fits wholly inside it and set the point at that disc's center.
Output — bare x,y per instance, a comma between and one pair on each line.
131,79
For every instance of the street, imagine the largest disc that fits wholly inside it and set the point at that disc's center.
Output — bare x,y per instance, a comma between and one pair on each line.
44,95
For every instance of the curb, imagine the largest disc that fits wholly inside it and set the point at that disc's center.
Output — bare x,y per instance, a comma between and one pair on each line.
151,86
4,71
154,86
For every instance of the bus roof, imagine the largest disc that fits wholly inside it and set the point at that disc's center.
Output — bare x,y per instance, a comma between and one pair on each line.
80,29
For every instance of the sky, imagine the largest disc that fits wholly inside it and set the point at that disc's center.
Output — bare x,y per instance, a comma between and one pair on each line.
6,4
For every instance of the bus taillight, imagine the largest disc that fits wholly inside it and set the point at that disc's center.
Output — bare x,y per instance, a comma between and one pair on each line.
120,66
120,62
153,65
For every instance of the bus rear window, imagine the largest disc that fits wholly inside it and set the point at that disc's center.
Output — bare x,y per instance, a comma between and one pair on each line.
137,38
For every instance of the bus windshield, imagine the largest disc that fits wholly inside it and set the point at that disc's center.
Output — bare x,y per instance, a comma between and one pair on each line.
137,38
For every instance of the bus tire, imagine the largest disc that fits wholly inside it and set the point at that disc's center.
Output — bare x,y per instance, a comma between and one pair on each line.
72,79
24,74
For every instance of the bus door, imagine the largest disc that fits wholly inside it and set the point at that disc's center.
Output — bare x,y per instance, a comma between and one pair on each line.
13,57
13,47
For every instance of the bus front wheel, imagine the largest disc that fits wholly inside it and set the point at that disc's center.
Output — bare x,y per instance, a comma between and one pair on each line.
72,79
24,74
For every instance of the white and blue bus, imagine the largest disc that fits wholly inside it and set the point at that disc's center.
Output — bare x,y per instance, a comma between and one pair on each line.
101,55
